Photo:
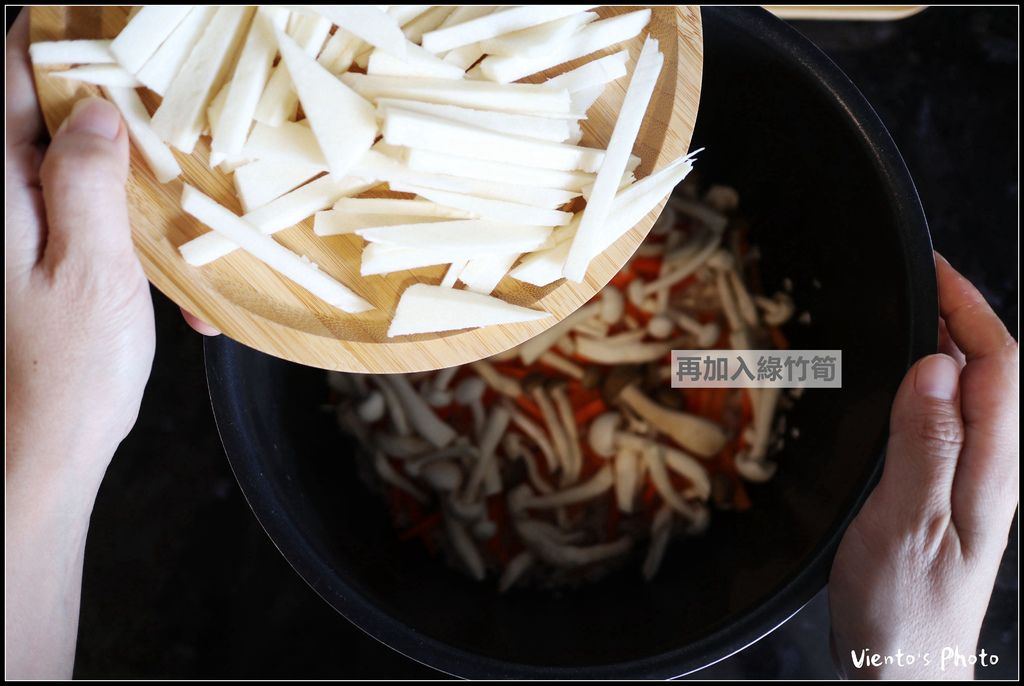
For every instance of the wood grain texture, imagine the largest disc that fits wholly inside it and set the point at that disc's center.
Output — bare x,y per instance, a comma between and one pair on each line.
254,305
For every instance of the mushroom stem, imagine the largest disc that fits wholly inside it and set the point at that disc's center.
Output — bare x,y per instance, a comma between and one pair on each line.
595,486
575,456
494,429
625,478
536,434
661,531
561,364
420,415
515,569
464,547
498,382
388,474
689,431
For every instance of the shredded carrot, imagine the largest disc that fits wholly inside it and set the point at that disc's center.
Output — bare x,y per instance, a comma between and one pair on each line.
740,498
587,412
778,338
622,279
639,315
646,266
716,403
528,406
421,528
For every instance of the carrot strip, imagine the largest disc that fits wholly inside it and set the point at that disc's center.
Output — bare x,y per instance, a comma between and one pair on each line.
527,406
646,266
422,527
587,412
779,339
622,279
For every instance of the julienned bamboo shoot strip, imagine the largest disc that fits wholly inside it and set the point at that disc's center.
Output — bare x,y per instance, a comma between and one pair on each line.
595,73
161,68
289,142
282,213
496,24
279,102
268,251
485,208
369,23
416,63
228,133
344,123
158,156
485,273
462,237
259,182
181,116
537,40
338,223
524,98
101,75
529,126
399,207
144,33
620,146
426,132
426,309
589,39
71,52
430,162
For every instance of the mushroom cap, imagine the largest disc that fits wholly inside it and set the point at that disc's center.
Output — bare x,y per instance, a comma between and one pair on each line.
470,390
601,434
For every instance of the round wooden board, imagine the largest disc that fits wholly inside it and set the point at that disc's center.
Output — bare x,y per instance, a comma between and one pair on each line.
254,305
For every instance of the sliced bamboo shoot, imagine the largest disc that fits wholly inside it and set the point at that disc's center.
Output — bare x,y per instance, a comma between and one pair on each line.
497,24
524,98
101,75
290,142
417,63
369,23
399,207
464,238
282,213
592,74
425,309
251,73
344,123
426,132
492,210
589,39
620,146
71,52
167,61
257,183
182,114
526,125
338,223
495,171
279,102
157,155
537,40
483,274
144,33
268,251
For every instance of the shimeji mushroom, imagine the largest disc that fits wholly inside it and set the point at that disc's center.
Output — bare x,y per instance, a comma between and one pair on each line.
601,433
777,309
563,555
494,428
500,383
372,408
689,431
389,475
535,390
443,475
722,198
515,449
401,447
661,531
564,408
627,477
460,449
464,547
706,334
612,305
676,460
470,393
395,411
660,327
536,434
622,349
420,415
582,492
515,569
567,367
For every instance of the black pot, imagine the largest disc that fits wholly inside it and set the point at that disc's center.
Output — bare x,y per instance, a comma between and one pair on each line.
835,210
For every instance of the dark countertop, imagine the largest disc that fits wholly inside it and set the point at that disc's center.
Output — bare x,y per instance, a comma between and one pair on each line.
181,582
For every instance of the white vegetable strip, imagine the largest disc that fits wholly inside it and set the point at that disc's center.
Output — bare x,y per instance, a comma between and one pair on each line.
430,162
526,125
101,75
257,183
591,38
163,66
531,350
279,101
290,142
343,122
485,208
620,146
336,223
484,273
452,275
181,115
463,237
71,52
428,20
593,487
144,33
282,213
157,155
369,23
537,40
424,309
542,267
403,14
524,98
264,248
339,51
427,132
417,63
592,74
244,89
399,207
388,170
496,24
381,258
420,415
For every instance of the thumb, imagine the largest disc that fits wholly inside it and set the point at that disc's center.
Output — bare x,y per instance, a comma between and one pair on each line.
925,437
83,180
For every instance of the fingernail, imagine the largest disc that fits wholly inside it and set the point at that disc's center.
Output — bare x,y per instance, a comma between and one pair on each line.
937,377
95,116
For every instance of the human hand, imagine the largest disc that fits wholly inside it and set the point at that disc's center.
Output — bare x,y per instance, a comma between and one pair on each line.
914,572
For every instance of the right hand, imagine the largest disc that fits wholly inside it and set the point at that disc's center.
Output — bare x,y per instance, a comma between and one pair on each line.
915,570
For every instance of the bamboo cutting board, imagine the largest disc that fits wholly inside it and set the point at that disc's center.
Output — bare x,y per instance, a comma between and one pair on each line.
254,305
